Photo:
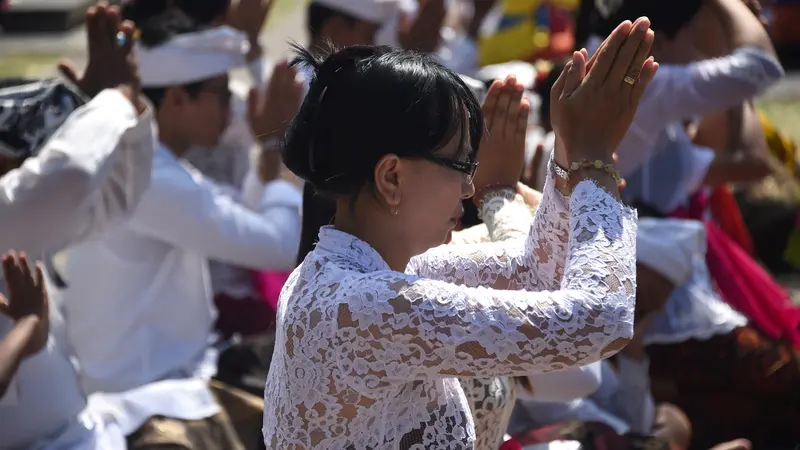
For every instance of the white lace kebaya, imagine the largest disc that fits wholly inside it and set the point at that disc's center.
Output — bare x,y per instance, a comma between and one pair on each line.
366,357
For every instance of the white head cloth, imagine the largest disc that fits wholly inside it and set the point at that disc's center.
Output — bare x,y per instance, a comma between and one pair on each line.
669,246
525,72
192,57
378,12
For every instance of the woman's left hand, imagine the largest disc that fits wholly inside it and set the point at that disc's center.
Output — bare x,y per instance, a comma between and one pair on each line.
502,151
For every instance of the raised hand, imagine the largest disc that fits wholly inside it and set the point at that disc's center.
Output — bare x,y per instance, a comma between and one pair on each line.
27,299
423,32
112,62
502,152
249,16
271,113
591,111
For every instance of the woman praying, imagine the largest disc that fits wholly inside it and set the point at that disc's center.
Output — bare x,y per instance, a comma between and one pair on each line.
373,328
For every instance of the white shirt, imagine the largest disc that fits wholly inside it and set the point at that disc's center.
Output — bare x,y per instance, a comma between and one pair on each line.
87,178
228,164
660,163
365,357
144,288
622,400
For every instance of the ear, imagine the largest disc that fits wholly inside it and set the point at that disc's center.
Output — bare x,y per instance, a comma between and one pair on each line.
387,180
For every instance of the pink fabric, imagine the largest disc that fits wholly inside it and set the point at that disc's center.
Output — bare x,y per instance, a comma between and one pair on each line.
743,283
269,285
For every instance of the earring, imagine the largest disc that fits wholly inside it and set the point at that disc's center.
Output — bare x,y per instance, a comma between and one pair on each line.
395,212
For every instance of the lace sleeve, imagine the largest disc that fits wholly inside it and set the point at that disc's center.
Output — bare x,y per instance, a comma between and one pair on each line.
399,327
534,264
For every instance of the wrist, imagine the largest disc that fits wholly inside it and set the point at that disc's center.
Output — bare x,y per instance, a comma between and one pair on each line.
483,192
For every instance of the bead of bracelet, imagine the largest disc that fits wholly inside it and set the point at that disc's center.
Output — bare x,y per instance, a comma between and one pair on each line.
596,165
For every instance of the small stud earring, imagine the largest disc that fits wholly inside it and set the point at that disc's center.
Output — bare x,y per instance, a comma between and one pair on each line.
395,212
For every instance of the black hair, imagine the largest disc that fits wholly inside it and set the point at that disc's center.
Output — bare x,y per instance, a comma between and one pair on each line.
666,17
319,14
365,102
156,31
318,211
542,89
201,11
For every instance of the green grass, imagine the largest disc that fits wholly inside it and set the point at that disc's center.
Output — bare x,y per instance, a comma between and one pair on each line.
28,65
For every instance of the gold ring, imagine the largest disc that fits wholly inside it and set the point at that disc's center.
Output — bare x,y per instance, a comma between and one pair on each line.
629,80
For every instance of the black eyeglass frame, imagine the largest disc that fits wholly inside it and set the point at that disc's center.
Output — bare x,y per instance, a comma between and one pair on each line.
465,167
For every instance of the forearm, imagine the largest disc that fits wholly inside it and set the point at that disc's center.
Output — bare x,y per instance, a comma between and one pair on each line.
739,168
12,350
742,27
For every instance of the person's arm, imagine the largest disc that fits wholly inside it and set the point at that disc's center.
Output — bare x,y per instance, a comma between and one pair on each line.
564,386
189,212
471,331
633,401
742,154
742,28
88,177
535,263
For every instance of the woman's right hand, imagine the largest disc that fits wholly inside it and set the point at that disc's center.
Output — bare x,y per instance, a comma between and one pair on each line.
591,112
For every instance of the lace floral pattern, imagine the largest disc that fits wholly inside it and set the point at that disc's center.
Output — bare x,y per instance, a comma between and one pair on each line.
491,400
366,358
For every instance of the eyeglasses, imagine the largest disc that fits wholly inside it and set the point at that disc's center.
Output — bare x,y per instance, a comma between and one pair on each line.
468,168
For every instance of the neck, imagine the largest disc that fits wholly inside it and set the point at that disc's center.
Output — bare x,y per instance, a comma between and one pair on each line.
375,233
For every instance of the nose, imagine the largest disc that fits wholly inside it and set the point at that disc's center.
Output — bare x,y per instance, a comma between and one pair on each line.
467,190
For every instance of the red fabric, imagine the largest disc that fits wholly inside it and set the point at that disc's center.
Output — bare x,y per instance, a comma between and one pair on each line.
269,285
743,283
244,316
726,213
511,444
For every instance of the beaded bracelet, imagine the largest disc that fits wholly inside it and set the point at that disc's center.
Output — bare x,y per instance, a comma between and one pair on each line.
596,165
480,194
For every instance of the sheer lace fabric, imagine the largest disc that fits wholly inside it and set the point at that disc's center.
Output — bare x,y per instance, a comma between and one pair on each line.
491,400
366,358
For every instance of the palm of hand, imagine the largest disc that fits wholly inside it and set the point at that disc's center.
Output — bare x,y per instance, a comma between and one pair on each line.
270,114
502,151
27,298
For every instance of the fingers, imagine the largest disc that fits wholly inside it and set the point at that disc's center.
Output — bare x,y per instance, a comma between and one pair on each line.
90,20
576,73
558,87
41,284
9,268
627,53
68,70
503,101
524,112
510,123
642,53
490,103
649,69
129,29
608,52
112,22
24,268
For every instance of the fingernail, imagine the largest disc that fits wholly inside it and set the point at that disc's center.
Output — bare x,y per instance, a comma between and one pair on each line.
644,23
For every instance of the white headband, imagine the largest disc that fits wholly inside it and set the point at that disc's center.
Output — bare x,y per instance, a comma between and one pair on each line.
669,246
192,57
378,12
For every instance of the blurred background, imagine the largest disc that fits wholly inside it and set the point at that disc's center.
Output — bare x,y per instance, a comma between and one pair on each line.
36,34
